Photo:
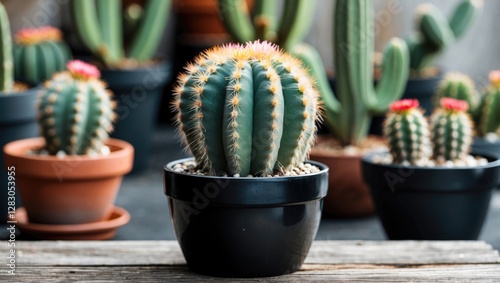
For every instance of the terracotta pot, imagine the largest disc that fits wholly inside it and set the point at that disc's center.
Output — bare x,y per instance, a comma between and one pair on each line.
348,195
72,190
198,17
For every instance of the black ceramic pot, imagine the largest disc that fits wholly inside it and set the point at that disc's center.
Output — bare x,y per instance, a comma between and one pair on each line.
422,203
245,227
138,94
423,89
483,145
17,121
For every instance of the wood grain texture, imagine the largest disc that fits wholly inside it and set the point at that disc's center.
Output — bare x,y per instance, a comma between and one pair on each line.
332,261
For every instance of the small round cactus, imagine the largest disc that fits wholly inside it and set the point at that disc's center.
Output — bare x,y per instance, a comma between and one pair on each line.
489,114
76,111
458,86
451,131
234,103
39,53
407,132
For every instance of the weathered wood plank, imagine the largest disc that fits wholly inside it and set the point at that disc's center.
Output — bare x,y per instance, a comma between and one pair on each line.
309,273
322,252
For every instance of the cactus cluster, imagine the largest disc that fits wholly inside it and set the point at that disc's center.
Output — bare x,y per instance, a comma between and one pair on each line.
39,53
246,109
99,26
412,140
75,111
6,61
436,32
261,23
482,108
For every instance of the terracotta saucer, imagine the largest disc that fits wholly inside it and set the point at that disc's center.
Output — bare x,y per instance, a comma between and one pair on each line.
102,230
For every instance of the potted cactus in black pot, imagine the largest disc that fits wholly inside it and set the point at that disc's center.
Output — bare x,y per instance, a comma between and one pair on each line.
428,186
128,64
483,108
248,204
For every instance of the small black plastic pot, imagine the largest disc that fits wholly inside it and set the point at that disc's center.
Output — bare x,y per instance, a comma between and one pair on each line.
423,89
245,227
17,121
138,93
431,203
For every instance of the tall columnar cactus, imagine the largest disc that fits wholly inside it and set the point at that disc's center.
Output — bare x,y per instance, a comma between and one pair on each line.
246,109
99,25
75,111
436,32
348,114
458,86
39,53
262,24
451,131
6,61
488,113
407,132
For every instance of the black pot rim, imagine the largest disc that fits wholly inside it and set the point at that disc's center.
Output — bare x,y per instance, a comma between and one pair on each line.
246,191
492,162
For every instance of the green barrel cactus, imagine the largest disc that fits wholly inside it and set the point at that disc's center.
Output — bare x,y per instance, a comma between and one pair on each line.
99,26
76,111
458,86
6,61
451,131
488,114
436,32
246,109
39,53
407,132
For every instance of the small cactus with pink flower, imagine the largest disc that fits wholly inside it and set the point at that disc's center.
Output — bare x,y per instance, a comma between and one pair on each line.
451,131
39,53
76,112
407,132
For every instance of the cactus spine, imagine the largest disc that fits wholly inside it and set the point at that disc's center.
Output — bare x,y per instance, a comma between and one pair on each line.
451,131
233,103
75,111
407,132
6,61
99,26
39,53
436,32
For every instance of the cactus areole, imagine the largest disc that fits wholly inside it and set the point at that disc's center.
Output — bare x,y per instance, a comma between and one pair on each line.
246,109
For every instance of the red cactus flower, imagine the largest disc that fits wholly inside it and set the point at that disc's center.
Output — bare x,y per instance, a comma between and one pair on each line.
454,105
404,105
495,77
82,71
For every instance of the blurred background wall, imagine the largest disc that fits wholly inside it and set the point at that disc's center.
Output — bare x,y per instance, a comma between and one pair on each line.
476,53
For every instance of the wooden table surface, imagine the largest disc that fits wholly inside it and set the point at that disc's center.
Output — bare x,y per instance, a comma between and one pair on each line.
162,261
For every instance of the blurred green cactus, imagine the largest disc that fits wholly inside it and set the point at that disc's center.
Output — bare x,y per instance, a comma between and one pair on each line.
75,111
234,103
451,131
39,53
261,23
6,61
348,114
436,32
407,132
483,108
99,26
